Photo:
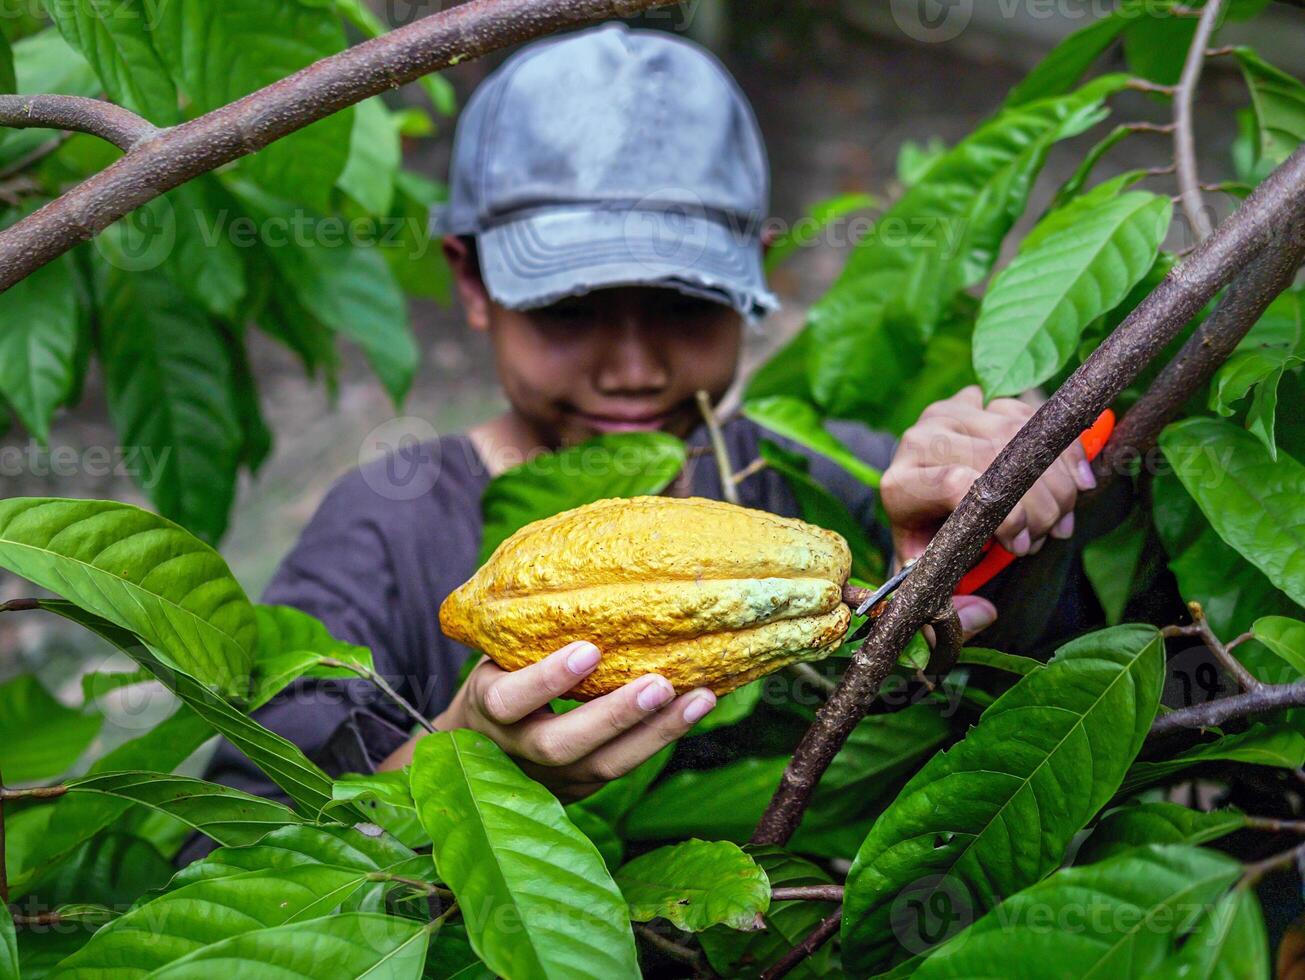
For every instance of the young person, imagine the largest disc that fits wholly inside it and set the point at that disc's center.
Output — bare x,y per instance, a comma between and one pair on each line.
606,191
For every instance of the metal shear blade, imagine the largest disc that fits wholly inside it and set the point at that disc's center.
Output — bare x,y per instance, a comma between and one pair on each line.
885,590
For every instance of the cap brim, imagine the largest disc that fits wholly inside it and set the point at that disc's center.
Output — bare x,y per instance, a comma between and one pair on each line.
539,258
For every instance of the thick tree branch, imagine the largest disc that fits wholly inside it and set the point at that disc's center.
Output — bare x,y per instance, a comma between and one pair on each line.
122,128
1189,184
957,545
1248,296
1266,697
182,153
818,936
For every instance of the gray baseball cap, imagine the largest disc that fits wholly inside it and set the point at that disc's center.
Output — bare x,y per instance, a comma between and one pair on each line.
612,157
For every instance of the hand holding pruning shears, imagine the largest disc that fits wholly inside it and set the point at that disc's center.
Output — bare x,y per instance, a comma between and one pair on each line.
941,456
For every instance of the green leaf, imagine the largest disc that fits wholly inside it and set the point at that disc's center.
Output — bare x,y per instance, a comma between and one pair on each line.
38,344
696,884
282,760
1121,918
784,373
170,386
1252,501
807,230
1001,661
821,507
226,815
744,954
1260,745
800,421
942,236
1135,826
204,261
1229,942
39,837
1049,753
357,945
1112,561
374,157
292,644
187,919
624,465
614,800
386,800
732,708
44,62
109,869
1279,103
947,367
349,288
528,881
414,255
39,737
220,53
115,38
1285,637
1155,47
1069,60
140,572
1036,309
8,78
8,945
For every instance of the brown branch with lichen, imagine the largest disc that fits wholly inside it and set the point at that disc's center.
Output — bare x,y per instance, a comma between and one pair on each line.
174,156
1265,217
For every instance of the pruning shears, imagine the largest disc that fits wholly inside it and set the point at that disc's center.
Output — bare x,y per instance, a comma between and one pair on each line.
995,557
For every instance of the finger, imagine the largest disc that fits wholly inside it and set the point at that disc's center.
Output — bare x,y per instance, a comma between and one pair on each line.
1041,512
560,740
1011,408
1078,463
643,741
505,697
976,614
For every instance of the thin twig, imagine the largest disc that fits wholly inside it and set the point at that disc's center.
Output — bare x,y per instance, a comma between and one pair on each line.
415,883
34,793
818,936
728,485
1254,872
676,951
756,466
20,605
384,685
121,127
34,157
41,919
1200,628
1143,85
1189,184
812,676
1267,697
811,893
1149,127
1276,826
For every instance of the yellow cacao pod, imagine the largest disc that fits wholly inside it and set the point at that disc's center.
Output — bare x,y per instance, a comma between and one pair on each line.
702,592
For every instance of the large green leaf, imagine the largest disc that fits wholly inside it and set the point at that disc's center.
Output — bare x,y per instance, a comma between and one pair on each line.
1036,309
38,344
348,288
800,421
1155,823
386,800
1260,745
743,954
140,572
942,236
1119,919
282,760
169,380
8,945
226,815
1067,62
114,37
1111,563
1251,500
39,737
1279,102
8,77
1285,637
696,884
204,259
535,895
110,869
1048,754
821,507
356,945
806,231
624,465
1229,943
375,154
292,644
182,921
39,837
219,53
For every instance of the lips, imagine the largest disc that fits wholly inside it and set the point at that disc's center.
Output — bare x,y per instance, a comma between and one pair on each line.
624,422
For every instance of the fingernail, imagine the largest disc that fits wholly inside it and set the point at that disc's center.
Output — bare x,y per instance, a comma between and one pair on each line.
1064,527
975,619
583,658
1037,546
655,694
1086,478
1021,543
698,707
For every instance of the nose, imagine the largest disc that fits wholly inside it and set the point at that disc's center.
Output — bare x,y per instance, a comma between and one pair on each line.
633,361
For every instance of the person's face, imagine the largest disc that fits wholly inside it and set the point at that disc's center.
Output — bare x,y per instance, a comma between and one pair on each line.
624,359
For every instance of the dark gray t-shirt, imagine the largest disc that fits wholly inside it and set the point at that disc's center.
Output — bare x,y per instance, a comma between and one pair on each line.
392,539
